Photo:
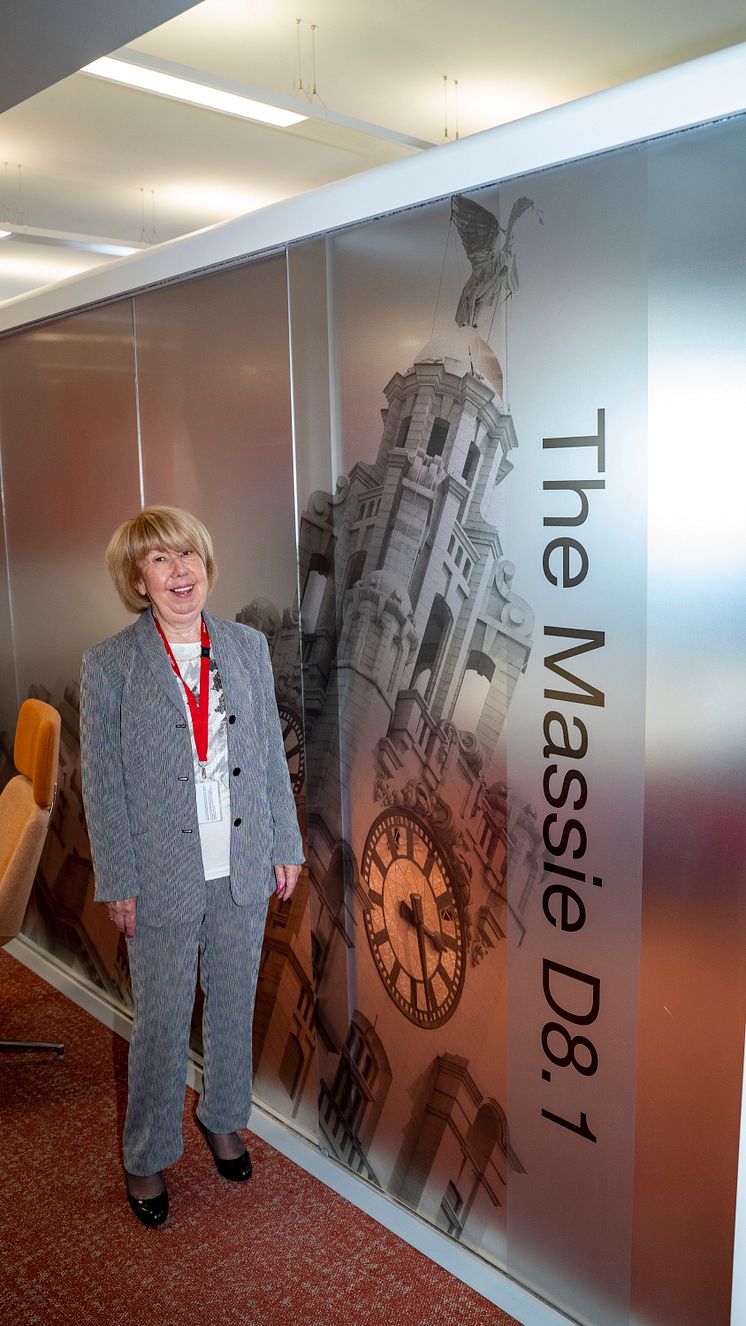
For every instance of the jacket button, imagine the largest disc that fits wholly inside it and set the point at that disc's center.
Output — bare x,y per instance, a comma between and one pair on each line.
183,778
236,772
231,718
181,724
187,830
237,821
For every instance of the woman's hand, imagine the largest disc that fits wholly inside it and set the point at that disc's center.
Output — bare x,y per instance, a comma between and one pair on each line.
287,878
123,915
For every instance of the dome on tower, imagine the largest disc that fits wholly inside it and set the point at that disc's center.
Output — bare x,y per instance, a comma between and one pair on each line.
462,350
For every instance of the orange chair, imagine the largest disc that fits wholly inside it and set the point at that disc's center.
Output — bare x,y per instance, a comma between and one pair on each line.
25,808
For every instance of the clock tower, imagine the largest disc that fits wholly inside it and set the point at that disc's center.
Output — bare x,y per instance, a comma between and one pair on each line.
414,640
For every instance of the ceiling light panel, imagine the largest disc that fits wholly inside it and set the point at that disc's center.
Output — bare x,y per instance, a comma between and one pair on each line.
40,269
69,239
195,94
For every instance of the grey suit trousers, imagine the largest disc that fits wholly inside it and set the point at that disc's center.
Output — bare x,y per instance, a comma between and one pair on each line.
163,966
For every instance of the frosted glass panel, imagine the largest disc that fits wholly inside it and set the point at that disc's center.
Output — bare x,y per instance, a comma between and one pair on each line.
694,920
69,438
213,376
68,429
8,699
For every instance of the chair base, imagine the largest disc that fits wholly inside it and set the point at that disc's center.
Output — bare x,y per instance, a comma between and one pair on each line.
32,1046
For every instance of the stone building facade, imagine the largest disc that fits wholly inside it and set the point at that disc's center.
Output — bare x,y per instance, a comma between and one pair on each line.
413,640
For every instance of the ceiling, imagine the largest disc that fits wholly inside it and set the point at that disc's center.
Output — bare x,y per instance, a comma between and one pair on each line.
91,161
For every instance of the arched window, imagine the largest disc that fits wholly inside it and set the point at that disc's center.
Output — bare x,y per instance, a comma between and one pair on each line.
401,436
437,439
434,642
470,464
473,691
355,568
350,1110
488,1130
450,1215
291,1065
313,592
341,875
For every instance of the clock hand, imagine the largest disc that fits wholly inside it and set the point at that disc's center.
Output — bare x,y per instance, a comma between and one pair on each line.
419,924
406,912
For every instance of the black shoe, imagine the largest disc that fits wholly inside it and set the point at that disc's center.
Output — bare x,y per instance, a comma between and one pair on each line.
151,1211
238,1169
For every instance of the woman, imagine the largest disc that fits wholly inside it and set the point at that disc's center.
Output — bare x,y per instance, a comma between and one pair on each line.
192,827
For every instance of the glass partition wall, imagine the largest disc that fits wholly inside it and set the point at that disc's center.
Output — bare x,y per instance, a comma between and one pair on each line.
473,470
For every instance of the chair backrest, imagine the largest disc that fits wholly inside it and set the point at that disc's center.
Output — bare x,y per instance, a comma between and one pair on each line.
25,804
36,751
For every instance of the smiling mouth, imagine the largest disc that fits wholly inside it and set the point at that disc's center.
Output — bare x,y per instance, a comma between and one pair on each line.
181,591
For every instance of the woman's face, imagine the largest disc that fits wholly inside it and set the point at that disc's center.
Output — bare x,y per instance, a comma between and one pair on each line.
176,584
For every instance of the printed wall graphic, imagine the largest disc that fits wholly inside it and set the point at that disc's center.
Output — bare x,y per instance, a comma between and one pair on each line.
419,1053
414,638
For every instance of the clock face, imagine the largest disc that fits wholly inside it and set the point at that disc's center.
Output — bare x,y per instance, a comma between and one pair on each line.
414,925
292,735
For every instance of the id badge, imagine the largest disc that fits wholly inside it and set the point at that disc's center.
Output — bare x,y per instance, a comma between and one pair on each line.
209,810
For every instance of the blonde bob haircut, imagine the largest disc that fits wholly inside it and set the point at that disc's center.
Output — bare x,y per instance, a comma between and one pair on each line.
165,527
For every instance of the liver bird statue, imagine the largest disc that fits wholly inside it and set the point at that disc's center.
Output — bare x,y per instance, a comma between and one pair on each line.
494,275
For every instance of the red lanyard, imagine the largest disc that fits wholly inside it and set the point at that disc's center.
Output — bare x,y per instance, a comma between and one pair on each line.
199,712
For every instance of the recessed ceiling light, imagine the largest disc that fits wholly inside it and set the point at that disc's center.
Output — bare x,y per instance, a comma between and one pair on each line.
45,269
71,239
197,94
112,250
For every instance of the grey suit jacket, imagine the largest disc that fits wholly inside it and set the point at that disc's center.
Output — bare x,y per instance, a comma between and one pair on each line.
138,773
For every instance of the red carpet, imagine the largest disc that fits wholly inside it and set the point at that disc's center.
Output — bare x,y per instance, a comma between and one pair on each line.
282,1250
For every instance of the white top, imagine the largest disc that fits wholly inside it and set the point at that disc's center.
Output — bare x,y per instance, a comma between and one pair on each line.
215,838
